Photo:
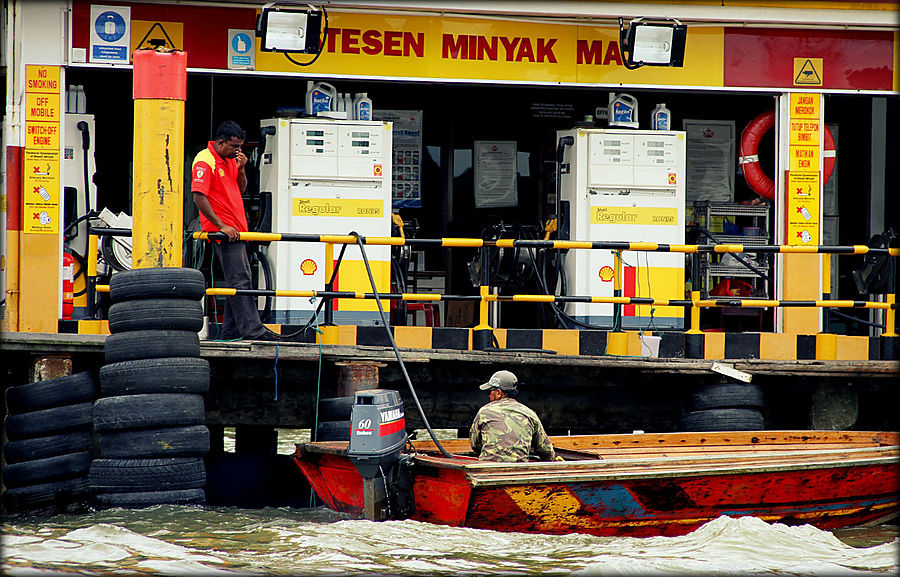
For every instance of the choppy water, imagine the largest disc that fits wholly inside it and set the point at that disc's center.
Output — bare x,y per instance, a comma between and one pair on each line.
178,540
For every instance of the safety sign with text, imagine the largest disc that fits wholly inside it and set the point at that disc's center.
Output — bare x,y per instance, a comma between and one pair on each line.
41,178
802,217
110,35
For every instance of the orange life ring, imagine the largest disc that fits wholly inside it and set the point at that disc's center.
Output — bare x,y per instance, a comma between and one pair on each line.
749,155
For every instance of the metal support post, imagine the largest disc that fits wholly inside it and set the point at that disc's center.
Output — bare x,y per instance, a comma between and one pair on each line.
617,291
483,334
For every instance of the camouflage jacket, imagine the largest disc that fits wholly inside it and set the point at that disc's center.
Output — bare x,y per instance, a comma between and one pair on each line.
507,430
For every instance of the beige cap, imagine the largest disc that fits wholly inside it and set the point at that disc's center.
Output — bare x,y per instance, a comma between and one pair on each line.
503,380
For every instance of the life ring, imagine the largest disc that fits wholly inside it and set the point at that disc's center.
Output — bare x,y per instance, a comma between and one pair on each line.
749,155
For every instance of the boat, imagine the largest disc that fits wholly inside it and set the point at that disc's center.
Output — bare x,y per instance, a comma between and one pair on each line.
639,485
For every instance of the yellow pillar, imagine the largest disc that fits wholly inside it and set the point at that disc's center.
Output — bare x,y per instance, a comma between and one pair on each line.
159,93
801,282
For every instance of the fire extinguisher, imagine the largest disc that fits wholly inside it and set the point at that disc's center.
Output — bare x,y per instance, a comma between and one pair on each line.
68,286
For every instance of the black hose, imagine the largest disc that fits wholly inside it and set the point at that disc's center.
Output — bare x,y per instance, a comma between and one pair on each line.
387,328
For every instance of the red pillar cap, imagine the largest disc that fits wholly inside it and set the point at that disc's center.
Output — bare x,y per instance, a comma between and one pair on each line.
160,75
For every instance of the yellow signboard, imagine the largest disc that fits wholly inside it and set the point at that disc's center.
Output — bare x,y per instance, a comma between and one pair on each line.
803,192
634,215
803,209
41,179
340,207
42,135
804,158
153,35
804,132
42,107
804,105
410,46
808,71
43,79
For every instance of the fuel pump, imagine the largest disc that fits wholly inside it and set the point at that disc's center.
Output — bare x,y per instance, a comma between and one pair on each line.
624,185
328,177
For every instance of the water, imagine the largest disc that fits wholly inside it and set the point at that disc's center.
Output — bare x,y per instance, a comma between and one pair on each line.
183,540
175,540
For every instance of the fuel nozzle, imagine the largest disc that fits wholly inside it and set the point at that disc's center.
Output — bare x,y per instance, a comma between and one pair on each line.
561,148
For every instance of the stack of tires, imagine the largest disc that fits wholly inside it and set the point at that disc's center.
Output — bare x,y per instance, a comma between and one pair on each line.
48,449
150,417
334,419
725,407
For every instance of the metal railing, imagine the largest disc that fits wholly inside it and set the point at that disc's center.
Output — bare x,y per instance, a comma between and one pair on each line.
694,303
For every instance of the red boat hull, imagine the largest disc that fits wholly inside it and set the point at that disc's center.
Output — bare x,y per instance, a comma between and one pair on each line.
638,505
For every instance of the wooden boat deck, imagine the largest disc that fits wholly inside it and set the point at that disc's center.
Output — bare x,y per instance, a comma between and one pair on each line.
597,457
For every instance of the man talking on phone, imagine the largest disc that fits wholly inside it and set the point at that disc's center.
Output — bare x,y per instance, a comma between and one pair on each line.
218,179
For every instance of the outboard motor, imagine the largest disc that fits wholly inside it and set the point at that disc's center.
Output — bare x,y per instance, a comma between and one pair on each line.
377,436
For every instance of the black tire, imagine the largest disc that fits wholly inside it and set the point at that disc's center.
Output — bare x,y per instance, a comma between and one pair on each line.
727,395
43,447
51,393
136,500
333,431
46,470
151,344
148,411
723,420
138,475
155,443
152,283
159,314
335,408
44,494
165,375
49,421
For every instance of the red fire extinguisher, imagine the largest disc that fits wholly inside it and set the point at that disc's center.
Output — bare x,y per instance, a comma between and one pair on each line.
68,286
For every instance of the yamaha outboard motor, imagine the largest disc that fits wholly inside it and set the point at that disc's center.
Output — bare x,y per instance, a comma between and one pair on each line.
377,436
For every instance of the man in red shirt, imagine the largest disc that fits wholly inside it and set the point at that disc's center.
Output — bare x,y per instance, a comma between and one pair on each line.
218,179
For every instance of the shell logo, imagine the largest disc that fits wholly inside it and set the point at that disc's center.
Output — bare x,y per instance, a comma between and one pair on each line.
377,170
607,274
308,267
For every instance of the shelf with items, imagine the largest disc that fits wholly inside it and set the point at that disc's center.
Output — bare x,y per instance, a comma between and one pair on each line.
732,223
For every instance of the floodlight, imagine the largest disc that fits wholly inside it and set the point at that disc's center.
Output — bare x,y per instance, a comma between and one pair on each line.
652,43
289,30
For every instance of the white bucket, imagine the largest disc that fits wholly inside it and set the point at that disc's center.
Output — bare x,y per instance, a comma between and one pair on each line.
650,346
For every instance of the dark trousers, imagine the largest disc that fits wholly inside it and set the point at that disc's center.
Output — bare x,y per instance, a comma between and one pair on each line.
241,312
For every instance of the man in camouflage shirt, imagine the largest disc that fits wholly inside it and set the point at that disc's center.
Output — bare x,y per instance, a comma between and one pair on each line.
505,429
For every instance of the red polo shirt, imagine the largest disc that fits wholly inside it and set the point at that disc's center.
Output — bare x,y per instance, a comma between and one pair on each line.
217,179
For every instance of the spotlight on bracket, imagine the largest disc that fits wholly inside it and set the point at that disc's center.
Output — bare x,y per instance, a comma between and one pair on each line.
289,29
652,42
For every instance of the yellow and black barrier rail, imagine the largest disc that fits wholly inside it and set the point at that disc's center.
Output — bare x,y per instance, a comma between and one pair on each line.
451,242
691,344
530,298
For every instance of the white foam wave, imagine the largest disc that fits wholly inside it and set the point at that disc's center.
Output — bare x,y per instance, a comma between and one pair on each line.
742,546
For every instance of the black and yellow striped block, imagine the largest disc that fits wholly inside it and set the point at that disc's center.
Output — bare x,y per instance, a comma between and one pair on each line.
708,345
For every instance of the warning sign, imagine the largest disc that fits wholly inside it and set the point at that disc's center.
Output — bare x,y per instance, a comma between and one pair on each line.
802,197
41,179
804,158
808,71
153,35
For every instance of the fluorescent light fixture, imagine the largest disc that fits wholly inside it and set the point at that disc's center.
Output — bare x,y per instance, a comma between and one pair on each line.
653,43
286,30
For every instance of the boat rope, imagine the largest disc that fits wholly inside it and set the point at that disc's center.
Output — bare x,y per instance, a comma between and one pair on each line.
275,370
387,327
